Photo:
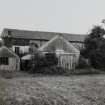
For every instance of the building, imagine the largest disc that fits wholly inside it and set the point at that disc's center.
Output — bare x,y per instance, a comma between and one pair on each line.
67,54
8,59
19,40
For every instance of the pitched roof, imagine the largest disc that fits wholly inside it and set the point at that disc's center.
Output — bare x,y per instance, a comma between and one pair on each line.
58,43
14,33
6,52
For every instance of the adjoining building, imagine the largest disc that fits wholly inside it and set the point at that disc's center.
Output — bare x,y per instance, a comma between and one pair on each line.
19,40
8,59
67,54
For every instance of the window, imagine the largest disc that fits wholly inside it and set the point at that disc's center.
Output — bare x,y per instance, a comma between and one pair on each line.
9,32
4,61
17,50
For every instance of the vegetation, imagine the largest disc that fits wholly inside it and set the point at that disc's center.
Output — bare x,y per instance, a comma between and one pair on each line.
55,90
41,63
2,92
83,63
94,48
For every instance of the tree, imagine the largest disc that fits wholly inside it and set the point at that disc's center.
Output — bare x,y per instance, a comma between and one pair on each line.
94,48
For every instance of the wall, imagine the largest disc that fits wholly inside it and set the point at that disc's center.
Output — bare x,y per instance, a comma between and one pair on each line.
23,49
24,43
13,63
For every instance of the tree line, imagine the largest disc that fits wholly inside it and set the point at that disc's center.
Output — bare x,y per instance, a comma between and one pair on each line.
94,47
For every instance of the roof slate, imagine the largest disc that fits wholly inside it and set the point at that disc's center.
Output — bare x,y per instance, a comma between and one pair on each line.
14,33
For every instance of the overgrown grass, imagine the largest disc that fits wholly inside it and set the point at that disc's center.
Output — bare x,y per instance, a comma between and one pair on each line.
2,92
66,72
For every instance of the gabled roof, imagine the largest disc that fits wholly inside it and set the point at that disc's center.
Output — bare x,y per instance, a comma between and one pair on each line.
58,43
6,52
14,33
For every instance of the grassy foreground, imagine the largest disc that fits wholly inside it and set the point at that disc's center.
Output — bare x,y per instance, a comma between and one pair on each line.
53,90
2,91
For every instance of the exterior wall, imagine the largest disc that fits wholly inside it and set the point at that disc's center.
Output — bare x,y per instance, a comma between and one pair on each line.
25,48
39,42
13,65
24,43
67,61
78,45
22,49
42,43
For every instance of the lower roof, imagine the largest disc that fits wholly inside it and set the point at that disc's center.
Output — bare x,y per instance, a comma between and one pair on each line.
6,52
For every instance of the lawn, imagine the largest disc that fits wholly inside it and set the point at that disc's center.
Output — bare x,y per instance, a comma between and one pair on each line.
54,90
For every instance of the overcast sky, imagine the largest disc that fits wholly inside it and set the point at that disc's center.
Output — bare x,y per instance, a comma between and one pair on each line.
70,16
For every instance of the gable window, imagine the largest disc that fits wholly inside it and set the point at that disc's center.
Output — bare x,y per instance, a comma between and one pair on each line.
4,61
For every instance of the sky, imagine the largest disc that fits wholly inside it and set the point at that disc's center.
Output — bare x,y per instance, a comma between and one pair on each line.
68,16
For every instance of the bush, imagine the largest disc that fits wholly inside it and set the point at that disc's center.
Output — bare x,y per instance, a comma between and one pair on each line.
51,59
54,70
83,63
98,59
39,62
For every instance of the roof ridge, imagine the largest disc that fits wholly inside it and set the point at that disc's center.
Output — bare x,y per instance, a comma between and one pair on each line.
43,35
42,31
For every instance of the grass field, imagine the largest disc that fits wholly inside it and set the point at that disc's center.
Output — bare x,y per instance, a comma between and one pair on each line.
53,90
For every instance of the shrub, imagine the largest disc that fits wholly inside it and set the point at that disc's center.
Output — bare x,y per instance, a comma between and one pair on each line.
39,62
83,63
54,70
98,59
51,59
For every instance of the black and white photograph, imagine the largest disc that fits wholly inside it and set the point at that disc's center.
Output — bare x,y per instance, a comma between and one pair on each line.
52,52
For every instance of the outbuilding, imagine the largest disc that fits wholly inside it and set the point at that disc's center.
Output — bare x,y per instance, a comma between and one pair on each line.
8,59
67,54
